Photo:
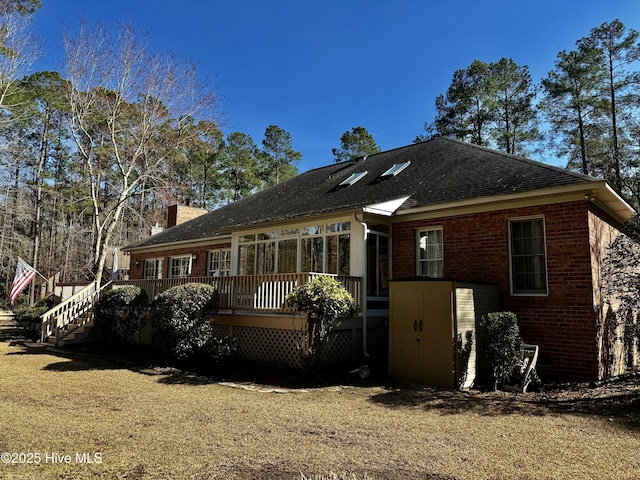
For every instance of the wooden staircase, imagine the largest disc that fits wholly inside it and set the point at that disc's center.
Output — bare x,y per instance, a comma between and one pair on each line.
71,321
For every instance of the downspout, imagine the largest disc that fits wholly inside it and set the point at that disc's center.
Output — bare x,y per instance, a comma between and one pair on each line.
365,325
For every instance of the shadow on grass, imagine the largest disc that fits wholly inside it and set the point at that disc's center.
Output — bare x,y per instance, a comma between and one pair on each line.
195,371
617,402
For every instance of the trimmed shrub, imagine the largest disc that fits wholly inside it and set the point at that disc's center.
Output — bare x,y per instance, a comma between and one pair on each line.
28,320
327,303
500,344
180,319
119,314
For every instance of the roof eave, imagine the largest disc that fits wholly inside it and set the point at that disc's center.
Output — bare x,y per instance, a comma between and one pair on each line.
221,238
608,201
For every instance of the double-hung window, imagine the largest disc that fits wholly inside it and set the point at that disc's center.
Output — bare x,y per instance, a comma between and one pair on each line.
180,267
527,251
219,263
430,253
152,268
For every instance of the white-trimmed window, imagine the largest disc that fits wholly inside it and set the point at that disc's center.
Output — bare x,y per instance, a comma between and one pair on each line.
152,268
316,248
219,263
430,253
528,259
180,267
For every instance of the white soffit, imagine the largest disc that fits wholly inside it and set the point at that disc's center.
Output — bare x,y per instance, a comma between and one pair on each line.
612,202
387,208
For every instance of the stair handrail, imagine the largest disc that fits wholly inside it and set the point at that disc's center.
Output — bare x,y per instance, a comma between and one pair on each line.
54,320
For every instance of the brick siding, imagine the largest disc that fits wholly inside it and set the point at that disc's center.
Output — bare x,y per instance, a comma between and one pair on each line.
198,266
564,322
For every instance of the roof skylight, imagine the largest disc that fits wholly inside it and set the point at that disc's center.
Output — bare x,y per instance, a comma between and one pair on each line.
353,178
395,169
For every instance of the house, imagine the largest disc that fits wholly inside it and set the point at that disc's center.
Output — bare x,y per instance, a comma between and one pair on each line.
440,208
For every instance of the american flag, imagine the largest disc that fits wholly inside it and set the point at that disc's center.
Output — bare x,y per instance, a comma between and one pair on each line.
24,274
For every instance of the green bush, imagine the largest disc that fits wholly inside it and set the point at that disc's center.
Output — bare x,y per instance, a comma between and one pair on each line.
28,320
180,320
119,314
327,303
500,344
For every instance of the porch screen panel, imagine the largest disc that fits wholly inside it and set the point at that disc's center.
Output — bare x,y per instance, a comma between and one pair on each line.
266,258
288,255
383,266
247,259
313,254
378,265
338,254
332,254
344,255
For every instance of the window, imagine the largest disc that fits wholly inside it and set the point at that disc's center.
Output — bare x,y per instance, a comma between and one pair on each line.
152,268
180,267
528,258
219,263
315,248
430,253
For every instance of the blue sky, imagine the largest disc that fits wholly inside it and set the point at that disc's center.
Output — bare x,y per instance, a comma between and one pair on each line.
319,68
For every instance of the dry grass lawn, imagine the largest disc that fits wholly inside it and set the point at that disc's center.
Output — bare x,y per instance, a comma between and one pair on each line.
146,423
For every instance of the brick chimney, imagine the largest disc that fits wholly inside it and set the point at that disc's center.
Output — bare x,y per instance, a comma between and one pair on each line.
177,214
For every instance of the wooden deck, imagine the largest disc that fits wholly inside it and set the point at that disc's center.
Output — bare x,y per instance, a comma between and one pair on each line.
248,293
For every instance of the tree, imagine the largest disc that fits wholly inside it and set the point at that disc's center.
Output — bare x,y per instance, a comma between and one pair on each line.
571,104
197,169
17,53
465,112
279,156
355,143
129,113
619,48
48,110
18,47
515,119
488,104
240,168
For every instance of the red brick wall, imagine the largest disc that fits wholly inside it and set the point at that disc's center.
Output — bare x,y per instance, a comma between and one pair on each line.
198,266
476,249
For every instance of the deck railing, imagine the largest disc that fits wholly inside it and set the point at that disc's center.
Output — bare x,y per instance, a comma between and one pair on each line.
259,293
72,313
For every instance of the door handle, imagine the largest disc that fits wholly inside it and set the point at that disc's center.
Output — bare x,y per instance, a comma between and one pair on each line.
415,326
420,325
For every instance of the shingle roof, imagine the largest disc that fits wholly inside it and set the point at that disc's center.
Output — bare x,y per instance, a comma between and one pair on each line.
442,170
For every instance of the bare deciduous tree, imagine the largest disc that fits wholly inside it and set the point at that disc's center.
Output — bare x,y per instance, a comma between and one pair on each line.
129,108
